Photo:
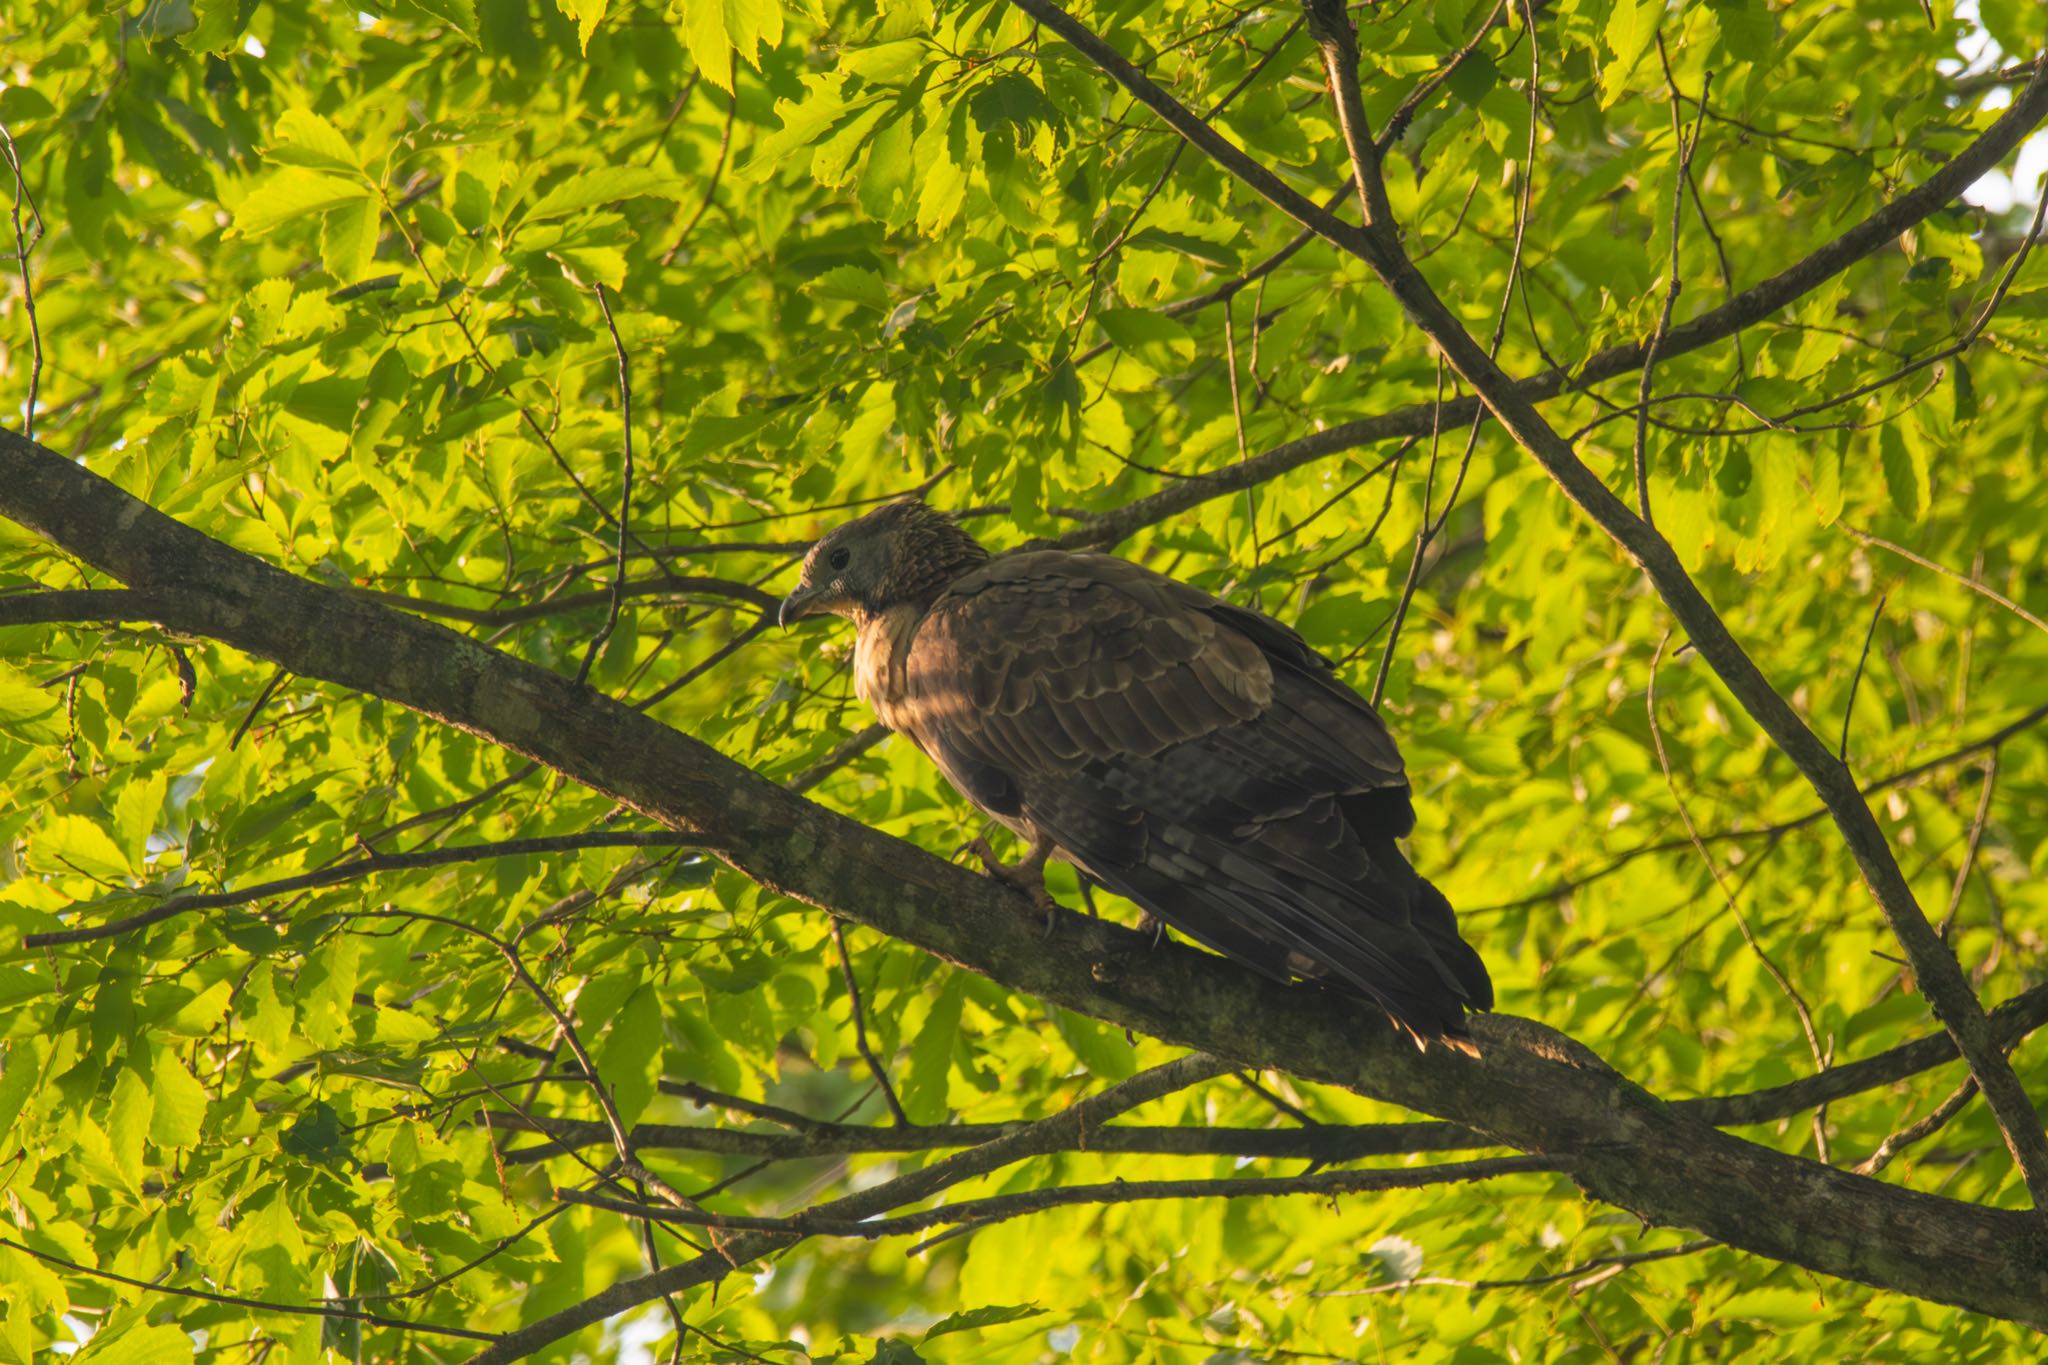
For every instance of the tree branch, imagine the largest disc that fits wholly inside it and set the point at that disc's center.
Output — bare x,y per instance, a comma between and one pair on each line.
1534,1090
1940,976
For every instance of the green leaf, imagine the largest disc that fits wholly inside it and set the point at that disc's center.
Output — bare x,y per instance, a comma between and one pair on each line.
1901,479
289,195
326,991
137,806
588,14
974,1319
1185,244
709,40
129,1113
1631,31
130,1339
306,139
72,843
603,186
1102,1048
458,14
316,1136
629,1057
178,1103
348,239
1158,340
1473,78
931,1055
852,284
30,713
21,1070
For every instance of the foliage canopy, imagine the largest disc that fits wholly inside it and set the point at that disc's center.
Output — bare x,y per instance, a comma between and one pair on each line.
373,293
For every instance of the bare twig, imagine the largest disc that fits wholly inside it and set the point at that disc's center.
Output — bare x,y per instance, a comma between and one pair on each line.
24,243
997,1208
860,1027
302,1310
1975,585
618,589
1777,973
349,871
1673,283
1584,1275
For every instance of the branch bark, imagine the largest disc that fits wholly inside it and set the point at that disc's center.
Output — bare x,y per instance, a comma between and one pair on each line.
1377,243
1535,1090
1753,305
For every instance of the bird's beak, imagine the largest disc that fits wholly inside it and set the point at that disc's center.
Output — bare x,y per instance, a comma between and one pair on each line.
799,604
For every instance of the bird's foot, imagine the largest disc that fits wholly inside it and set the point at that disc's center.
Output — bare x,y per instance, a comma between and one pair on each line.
1027,879
1149,923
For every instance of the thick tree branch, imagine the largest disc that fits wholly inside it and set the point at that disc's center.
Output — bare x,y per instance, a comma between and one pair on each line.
1939,974
1753,305
998,1208
349,871
1378,244
1534,1090
1048,1134
1323,1144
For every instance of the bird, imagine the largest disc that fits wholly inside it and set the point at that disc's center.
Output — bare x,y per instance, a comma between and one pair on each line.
1196,757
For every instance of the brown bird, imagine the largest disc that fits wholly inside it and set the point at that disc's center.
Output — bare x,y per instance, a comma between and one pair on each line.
1195,757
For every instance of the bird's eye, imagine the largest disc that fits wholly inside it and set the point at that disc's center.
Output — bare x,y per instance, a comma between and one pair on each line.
838,558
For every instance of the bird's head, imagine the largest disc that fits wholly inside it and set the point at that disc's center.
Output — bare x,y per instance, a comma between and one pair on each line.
902,552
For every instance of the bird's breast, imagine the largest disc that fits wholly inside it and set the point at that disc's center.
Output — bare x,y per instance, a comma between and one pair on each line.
880,654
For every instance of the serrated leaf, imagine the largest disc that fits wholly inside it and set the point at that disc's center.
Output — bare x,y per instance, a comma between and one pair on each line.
136,809
1901,480
606,185
588,14
1102,1048
1631,29
458,14
28,712
973,1319
178,1103
306,139
931,1056
709,41
72,843
128,1121
629,1059
326,991
1154,338
316,1135
292,194
1186,244
852,284
348,239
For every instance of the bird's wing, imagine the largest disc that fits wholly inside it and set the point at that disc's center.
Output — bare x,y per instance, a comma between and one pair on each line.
1196,757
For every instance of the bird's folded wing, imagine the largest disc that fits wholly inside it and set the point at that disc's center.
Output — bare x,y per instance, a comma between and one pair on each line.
1194,756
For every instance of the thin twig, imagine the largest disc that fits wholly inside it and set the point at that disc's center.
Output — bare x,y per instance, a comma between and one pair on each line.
1982,589
998,1208
302,1310
1976,840
1673,284
1856,679
256,707
617,595
860,1027
360,867
732,109
23,245
1584,1274
1813,1043
1936,1120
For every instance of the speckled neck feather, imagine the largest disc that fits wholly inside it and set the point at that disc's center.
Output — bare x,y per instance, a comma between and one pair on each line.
928,551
